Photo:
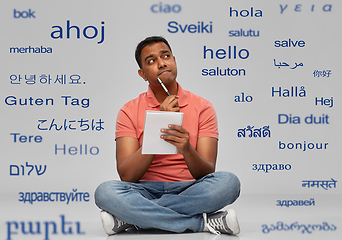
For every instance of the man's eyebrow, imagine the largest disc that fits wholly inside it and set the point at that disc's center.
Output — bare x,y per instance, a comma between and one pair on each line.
149,56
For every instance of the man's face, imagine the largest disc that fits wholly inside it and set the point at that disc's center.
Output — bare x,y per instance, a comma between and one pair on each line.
157,61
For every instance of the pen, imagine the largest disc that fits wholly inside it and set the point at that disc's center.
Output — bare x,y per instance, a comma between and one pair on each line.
163,86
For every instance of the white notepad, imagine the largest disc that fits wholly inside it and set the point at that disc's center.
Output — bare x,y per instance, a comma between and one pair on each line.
154,121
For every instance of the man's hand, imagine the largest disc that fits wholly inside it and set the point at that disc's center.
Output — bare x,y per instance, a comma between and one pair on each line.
178,137
170,104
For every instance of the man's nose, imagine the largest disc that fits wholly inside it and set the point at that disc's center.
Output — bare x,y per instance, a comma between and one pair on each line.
161,63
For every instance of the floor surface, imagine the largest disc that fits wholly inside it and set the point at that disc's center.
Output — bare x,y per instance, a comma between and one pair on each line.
259,218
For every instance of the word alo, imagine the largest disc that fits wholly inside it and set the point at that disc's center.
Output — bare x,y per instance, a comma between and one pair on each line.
43,228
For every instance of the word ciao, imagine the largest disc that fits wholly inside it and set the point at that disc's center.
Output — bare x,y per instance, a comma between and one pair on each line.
30,49
82,124
82,150
295,203
325,184
309,228
43,228
17,173
284,118
23,14
200,27
254,132
46,79
298,8
30,101
325,101
166,8
266,167
73,196
289,43
304,146
245,13
94,32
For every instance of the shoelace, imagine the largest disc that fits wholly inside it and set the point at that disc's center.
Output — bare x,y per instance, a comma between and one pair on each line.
212,222
120,223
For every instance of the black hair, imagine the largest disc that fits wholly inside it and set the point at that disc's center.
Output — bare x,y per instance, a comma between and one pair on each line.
148,41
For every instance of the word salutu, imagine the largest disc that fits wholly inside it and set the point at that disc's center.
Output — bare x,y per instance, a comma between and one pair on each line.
73,196
311,119
257,132
30,101
295,203
46,79
325,184
43,228
243,33
16,172
82,125
284,64
304,228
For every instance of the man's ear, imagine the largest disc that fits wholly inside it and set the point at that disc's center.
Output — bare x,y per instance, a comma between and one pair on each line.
141,74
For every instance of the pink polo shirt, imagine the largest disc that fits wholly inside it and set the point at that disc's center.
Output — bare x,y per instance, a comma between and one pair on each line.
199,119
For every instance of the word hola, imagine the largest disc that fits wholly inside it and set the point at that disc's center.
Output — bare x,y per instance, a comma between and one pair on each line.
245,12
24,139
284,118
292,92
289,43
82,150
325,102
243,33
174,27
243,98
165,8
43,228
39,172
231,53
58,34
298,8
23,14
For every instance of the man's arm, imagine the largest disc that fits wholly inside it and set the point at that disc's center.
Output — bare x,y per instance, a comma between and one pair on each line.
200,161
131,164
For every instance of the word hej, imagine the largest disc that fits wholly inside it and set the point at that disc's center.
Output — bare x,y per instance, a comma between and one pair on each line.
17,172
44,228
89,32
309,228
30,101
311,119
299,8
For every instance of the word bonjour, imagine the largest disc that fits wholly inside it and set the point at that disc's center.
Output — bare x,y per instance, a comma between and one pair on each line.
298,8
325,101
295,203
245,12
73,196
304,145
23,14
39,172
82,124
166,8
201,27
309,228
284,119
30,49
43,228
266,167
254,132
58,34
13,101
325,184
82,150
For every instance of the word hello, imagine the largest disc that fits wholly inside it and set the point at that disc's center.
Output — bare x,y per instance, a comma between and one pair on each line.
23,14
165,8
245,13
43,228
231,53
298,8
82,150
58,34
289,43
201,27
284,118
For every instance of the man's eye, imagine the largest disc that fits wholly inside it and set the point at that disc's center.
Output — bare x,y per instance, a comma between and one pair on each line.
150,61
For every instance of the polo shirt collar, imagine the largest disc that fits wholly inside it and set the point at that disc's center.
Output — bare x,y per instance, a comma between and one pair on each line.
182,100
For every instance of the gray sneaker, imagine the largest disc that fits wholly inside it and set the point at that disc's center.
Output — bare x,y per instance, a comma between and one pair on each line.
112,225
221,222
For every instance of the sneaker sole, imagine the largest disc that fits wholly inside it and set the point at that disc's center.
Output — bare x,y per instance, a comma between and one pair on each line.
233,221
107,222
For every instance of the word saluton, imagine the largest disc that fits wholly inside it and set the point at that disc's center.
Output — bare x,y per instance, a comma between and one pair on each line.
58,34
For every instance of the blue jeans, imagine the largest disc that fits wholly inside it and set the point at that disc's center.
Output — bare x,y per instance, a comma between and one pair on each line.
170,206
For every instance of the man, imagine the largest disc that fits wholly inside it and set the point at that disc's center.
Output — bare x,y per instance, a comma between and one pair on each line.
170,192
